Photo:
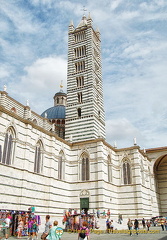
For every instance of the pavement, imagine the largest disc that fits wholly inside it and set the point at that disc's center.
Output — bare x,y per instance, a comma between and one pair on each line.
155,234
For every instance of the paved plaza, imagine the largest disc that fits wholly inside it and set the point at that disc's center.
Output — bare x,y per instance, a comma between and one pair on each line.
162,235
154,235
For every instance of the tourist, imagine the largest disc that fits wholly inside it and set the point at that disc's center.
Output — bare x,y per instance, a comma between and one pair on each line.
108,213
143,223
108,225
98,213
52,232
148,225
30,223
166,225
130,225
34,228
84,232
20,227
136,226
120,218
48,225
7,226
162,225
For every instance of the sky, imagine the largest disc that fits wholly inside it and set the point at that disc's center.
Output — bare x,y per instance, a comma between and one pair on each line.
33,60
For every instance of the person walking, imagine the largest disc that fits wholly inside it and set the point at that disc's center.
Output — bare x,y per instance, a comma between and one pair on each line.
7,226
20,227
166,225
48,225
52,232
84,232
34,229
130,225
120,219
136,226
143,223
162,225
148,225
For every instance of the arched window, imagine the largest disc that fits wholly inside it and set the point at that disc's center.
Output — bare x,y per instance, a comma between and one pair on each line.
109,170
84,168
126,173
9,146
38,157
61,166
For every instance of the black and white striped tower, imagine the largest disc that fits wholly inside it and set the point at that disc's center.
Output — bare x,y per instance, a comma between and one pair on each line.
85,118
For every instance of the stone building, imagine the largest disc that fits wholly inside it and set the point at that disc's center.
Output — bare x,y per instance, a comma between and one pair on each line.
38,167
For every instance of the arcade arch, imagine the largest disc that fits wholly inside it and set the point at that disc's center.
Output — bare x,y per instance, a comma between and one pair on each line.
160,170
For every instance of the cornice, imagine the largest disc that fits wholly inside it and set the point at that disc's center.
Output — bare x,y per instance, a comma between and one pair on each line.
26,121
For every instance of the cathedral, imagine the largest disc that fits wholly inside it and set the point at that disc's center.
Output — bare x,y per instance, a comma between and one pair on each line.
60,159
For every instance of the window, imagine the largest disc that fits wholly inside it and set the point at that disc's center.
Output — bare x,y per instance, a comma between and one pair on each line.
80,81
9,146
85,168
79,112
126,173
79,36
109,170
80,51
80,66
61,166
38,157
80,97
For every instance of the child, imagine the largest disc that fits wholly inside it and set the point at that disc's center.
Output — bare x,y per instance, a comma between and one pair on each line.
34,228
20,227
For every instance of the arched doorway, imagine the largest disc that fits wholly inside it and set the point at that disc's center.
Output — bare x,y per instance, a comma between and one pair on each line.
160,169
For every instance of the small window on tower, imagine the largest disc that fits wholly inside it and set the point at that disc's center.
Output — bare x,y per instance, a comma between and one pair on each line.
80,81
80,97
79,112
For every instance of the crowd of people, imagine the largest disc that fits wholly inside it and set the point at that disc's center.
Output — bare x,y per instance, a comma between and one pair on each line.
19,223
73,221
27,224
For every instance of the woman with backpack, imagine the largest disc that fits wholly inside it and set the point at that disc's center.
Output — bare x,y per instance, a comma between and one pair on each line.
84,232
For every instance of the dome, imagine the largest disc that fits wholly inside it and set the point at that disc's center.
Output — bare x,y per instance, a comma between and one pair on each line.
56,112
61,94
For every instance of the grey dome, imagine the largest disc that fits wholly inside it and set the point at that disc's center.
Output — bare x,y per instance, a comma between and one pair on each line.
56,112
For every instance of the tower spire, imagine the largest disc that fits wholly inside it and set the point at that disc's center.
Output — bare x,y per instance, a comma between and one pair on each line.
61,86
84,10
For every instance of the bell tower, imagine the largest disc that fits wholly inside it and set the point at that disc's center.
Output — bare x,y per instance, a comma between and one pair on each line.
85,109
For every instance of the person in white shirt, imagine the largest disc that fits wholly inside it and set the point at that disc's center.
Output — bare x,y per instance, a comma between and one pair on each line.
7,226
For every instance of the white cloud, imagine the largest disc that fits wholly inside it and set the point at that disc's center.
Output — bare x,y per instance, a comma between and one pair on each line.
42,81
123,132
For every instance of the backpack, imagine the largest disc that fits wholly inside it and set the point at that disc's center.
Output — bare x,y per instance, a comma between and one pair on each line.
82,233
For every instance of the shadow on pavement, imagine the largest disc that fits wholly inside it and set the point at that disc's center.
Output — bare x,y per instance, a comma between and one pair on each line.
164,238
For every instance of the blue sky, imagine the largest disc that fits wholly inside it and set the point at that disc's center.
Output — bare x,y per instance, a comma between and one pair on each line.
33,60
